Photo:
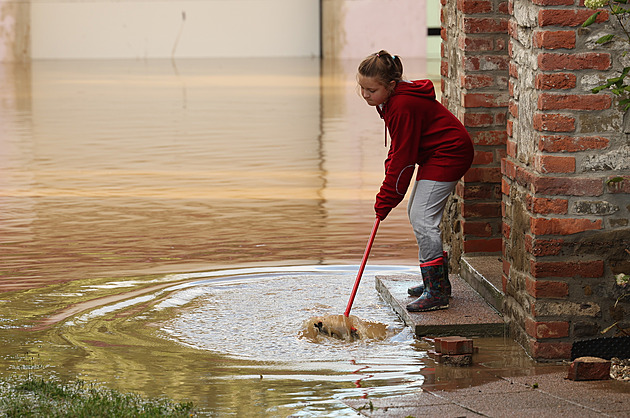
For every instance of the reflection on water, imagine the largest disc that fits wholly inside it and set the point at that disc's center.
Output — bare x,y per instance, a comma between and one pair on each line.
121,179
126,167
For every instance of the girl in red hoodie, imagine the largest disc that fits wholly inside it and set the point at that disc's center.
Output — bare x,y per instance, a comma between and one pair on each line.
423,133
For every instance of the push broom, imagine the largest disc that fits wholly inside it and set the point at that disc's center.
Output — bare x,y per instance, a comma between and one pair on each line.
362,267
342,326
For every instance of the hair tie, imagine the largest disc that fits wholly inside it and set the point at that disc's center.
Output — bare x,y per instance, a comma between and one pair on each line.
394,57
377,55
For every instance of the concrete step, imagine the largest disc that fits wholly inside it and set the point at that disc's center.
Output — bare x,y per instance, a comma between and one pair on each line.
468,314
484,274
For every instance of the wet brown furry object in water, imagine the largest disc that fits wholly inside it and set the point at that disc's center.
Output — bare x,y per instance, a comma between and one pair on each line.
343,328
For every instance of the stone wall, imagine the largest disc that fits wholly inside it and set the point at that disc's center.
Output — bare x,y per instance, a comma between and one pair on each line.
566,169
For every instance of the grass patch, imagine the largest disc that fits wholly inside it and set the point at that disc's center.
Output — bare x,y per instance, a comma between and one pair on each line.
38,397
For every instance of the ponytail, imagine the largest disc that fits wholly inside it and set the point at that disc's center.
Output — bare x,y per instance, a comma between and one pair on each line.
383,66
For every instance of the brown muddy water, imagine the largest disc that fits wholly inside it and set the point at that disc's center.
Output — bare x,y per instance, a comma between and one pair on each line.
167,228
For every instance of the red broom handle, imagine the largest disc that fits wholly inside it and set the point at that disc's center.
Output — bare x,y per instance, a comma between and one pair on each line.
362,267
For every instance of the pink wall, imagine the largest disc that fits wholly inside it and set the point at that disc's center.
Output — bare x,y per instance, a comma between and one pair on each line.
354,29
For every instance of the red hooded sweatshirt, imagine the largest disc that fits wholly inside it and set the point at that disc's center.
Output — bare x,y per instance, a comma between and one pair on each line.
422,132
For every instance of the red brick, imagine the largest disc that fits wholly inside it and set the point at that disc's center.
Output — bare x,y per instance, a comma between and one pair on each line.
482,245
508,168
553,122
524,177
546,206
513,70
572,186
550,350
506,230
528,241
555,81
500,118
551,101
489,137
505,187
584,61
478,191
549,329
506,267
483,158
485,100
511,148
483,174
499,44
566,17
477,229
484,25
476,81
557,143
474,6
503,8
567,269
542,247
589,368
546,288
553,2
455,345
485,63
563,226
477,120
513,109
481,209
444,69
561,39
553,164
468,43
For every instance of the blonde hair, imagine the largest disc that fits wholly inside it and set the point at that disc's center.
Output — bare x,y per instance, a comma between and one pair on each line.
382,66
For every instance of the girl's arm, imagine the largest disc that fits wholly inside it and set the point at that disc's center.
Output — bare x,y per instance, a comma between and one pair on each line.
404,128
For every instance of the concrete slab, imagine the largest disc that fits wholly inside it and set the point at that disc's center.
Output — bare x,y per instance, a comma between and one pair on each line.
468,314
540,395
485,275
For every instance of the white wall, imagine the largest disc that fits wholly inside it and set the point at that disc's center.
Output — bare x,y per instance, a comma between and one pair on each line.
62,29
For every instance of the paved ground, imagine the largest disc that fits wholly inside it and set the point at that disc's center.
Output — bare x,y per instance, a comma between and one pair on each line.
545,395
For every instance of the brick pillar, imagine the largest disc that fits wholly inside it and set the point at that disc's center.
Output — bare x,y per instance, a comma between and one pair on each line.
474,87
565,225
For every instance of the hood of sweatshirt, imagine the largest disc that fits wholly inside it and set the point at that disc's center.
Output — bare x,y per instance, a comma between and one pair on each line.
418,88
415,88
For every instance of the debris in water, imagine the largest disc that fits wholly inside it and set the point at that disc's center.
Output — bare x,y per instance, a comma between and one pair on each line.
347,328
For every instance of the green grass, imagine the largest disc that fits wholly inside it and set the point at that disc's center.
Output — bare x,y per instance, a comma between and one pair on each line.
38,397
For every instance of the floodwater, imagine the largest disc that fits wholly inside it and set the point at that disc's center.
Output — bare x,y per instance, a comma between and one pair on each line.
168,227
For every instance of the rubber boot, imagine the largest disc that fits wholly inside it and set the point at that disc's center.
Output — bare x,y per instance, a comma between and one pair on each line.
434,296
418,290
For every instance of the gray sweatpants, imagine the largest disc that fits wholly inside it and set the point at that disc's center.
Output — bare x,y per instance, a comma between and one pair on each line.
426,205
